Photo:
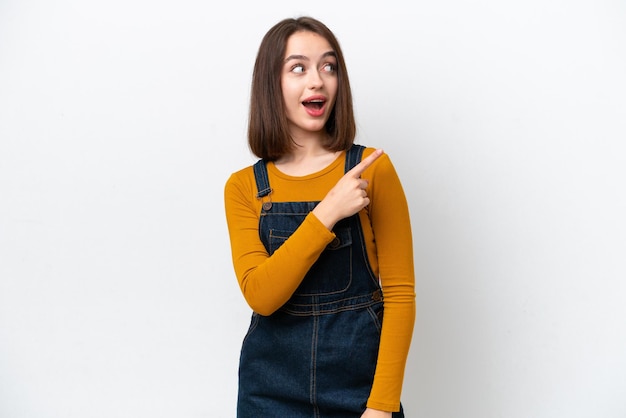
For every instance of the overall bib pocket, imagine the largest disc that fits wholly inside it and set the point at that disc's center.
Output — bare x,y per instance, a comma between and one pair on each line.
331,273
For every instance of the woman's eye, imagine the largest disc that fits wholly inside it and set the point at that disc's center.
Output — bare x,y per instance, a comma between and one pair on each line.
298,68
329,68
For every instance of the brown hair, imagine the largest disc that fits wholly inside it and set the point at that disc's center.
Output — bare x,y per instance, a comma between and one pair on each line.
268,133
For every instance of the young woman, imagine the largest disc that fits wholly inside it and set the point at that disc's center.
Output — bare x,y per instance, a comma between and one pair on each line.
321,243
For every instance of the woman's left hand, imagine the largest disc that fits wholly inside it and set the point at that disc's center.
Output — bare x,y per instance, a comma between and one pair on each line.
375,413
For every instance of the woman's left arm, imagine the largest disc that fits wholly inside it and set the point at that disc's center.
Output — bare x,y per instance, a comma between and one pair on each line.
389,216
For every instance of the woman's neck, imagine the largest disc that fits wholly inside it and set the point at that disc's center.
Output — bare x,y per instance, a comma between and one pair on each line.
306,159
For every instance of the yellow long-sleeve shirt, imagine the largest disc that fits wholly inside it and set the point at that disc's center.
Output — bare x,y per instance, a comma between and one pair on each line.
267,282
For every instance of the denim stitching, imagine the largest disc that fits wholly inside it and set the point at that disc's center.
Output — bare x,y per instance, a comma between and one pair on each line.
313,389
375,318
253,325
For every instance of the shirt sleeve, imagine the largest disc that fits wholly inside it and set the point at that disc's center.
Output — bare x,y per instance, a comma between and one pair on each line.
267,282
389,216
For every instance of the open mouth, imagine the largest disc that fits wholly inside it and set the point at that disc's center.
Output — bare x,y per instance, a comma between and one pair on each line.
315,104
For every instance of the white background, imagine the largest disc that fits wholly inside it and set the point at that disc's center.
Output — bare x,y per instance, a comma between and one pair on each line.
121,120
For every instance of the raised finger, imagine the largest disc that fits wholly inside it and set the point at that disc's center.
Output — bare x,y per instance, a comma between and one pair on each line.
358,169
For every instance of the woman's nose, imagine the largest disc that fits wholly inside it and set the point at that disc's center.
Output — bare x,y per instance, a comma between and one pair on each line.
315,80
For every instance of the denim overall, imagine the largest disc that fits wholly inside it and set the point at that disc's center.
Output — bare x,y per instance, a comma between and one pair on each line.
315,357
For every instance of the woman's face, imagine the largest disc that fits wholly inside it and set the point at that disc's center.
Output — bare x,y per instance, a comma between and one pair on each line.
309,82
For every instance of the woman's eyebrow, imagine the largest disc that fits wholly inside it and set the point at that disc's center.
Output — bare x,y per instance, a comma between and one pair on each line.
305,58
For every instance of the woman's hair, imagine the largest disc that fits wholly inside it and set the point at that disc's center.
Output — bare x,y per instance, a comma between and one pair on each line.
268,131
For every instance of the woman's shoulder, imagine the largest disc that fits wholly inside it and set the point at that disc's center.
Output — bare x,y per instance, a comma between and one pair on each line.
241,179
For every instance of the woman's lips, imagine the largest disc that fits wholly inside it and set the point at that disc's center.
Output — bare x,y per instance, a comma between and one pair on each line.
314,106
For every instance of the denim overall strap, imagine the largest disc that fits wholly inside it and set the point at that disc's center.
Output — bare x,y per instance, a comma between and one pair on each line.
262,181
353,156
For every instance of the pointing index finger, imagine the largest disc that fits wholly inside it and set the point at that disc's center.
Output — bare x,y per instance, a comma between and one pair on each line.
358,169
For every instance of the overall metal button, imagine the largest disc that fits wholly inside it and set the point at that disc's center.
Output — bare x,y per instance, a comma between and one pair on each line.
267,205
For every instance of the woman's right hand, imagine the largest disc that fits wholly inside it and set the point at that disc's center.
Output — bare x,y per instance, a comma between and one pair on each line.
348,196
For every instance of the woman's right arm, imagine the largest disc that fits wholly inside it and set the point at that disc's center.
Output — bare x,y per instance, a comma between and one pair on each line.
267,282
